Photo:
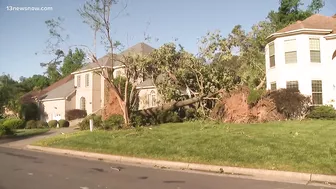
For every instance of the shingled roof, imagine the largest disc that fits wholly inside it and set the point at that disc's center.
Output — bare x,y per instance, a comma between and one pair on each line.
30,96
106,61
314,22
60,92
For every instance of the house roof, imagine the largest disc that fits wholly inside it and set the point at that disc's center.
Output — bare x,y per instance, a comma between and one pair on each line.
29,97
147,83
61,91
106,61
315,22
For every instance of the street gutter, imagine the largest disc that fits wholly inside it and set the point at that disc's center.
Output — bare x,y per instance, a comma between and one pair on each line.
283,176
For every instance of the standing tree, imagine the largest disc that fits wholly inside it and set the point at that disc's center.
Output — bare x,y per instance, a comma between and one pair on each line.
252,44
72,62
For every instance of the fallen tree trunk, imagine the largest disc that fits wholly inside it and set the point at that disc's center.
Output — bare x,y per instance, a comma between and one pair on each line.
174,105
261,84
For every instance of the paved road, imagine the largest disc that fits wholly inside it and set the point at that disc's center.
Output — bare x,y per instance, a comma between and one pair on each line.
21,169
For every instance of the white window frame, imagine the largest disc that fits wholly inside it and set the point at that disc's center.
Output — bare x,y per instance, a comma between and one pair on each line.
87,80
290,46
271,54
78,81
317,48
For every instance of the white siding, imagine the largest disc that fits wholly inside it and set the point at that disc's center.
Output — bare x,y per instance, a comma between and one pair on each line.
304,71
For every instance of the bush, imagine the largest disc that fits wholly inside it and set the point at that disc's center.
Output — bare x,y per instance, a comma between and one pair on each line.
322,112
5,130
97,122
290,102
138,119
31,124
114,122
30,111
75,114
168,117
52,123
63,123
190,114
254,96
14,123
42,124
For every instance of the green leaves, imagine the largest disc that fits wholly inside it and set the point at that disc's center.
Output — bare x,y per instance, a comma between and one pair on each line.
72,61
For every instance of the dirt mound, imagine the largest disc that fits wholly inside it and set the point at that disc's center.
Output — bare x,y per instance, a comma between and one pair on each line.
111,105
234,108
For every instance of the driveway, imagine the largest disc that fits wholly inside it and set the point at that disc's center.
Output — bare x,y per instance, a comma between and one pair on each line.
21,143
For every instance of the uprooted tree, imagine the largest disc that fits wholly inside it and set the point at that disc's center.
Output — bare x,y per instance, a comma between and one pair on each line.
183,78
180,71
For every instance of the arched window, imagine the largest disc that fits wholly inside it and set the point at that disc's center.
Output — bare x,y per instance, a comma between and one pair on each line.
152,99
82,103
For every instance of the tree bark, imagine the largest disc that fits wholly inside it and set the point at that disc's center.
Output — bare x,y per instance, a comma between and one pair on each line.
174,105
261,84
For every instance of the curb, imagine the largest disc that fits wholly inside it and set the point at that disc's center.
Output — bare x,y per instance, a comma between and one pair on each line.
254,173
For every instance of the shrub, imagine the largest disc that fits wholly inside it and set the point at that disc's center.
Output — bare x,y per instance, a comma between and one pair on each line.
254,96
97,122
42,124
138,119
14,123
75,114
290,102
52,123
63,123
30,111
5,130
168,117
190,114
322,112
114,122
31,124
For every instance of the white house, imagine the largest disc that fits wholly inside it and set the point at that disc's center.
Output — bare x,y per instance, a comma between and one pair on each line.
302,56
86,89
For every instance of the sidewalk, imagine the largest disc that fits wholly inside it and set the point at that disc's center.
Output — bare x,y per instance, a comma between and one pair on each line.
22,143
259,174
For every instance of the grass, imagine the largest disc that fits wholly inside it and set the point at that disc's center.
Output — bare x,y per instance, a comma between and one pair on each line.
306,146
30,132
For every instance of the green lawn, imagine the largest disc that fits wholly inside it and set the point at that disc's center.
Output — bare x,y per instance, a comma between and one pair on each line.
29,132
307,146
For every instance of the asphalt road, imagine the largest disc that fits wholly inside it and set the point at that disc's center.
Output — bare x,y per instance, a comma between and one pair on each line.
20,169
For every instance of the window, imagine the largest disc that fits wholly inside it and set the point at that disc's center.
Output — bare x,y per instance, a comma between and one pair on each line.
273,86
290,51
152,99
272,55
118,73
315,54
292,85
82,103
87,80
78,80
317,92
